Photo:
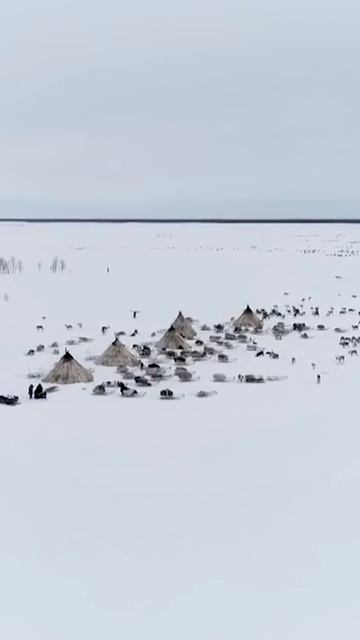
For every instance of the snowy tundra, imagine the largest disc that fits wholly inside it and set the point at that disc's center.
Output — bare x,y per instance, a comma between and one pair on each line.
222,518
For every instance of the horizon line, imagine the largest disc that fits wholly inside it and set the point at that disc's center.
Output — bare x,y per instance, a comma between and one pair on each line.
181,220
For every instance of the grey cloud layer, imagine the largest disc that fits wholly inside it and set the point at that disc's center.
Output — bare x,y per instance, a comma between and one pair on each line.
155,101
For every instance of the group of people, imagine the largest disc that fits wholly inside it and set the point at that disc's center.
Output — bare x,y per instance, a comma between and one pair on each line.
38,393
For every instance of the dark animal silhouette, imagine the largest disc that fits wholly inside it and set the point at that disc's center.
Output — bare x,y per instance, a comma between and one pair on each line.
126,391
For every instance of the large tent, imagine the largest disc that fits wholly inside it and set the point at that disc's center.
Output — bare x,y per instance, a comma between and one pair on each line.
68,371
248,320
172,340
117,355
184,327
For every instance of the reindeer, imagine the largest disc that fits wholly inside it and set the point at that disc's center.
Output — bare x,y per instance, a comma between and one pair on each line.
315,311
39,327
68,327
218,328
340,359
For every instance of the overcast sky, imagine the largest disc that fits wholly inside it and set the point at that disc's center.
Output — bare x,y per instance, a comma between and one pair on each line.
150,101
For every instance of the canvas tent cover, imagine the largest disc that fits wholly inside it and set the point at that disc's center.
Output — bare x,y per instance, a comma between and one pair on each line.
172,340
248,320
184,327
117,355
68,371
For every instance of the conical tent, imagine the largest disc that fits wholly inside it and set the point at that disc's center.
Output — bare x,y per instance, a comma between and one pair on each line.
184,327
68,371
117,355
172,340
248,320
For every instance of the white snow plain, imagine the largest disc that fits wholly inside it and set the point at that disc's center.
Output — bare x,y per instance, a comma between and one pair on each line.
231,517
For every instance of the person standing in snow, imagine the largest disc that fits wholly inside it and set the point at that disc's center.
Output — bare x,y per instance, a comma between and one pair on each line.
38,393
318,378
31,391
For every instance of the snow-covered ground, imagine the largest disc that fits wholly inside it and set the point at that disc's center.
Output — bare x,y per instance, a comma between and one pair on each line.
231,517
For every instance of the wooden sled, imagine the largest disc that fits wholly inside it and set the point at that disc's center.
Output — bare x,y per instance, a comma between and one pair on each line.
205,394
135,396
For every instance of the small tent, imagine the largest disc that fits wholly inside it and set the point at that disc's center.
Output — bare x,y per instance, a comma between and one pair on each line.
172,340
184,327
248,320
117,355
68,371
